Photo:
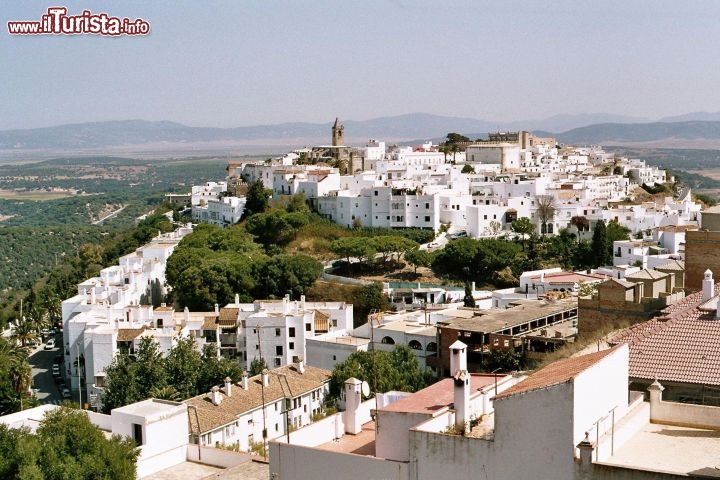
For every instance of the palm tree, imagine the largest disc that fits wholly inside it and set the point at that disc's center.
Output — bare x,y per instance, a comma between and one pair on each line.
24,332
20,375
165,393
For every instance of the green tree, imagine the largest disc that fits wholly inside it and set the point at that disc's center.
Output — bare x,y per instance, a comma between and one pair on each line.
183,366
368,298
468,299
149,367
24,332
120,383
418,258
292,274
600,245
214,369
257,365
271,228
384,371
467,168
257,199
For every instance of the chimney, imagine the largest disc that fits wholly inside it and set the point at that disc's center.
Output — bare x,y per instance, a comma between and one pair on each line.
93,295
461,398
217,308
237,299
351,416
244,380
186,311
301,365
215,395
228,386
265,377
302,302
708,286
458,357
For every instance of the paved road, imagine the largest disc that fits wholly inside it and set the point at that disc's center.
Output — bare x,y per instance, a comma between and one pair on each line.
41,361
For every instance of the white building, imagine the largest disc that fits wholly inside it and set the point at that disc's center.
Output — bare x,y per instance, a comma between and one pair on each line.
284,398
221,211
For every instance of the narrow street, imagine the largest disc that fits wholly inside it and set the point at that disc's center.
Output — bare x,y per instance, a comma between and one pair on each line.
41,361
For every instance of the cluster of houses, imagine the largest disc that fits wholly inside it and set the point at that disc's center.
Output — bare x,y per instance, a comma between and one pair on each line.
481,190
591,416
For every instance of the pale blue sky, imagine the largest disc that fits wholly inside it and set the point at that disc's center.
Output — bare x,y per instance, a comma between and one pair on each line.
242,62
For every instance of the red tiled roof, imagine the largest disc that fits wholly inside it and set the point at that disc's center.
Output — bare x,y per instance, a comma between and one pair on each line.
556,373
682,345
436,397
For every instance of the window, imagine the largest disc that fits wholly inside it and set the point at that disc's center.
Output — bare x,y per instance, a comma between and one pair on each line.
291,332
427,206
307,327
159,323
388,341
276,428
278,361
291,346
277,332
427,218
415,345
278,350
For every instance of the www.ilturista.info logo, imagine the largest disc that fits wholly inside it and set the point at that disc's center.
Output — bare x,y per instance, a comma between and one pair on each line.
58,22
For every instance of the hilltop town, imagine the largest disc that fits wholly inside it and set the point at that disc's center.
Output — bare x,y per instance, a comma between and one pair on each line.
575,370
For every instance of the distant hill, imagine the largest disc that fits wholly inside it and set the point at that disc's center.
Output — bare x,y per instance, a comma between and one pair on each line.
694,116
414,127
638,133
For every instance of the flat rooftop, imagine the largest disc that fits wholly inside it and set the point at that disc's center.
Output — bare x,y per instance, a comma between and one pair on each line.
186,471
151,407
669,449
344,340
435,398
361,444
497,319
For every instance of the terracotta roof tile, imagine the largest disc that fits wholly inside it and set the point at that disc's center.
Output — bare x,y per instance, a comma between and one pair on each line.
682,345
129,334
240,401
210,322
228,316
556,373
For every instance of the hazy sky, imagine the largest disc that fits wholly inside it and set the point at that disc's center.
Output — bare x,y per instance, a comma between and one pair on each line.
241,62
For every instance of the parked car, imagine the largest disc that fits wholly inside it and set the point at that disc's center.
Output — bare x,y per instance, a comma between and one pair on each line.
50,344
66,392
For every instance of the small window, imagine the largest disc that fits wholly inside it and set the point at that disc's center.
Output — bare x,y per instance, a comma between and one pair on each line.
291,346
278,361
278,350
291,332
427,218
307,327
277,332
137,434
427,206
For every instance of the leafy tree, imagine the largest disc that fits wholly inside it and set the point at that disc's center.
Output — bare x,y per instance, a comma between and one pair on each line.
257,199
298,203
384,371
615,232
183,366
69,446
467,168
368,298
582,223
149,367
389,245
505,360
120,383
456,258
24,332
353,247
419,258
271,228
214,369
283,274
257,365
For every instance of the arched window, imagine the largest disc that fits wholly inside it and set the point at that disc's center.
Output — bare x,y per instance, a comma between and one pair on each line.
388,341
431,347
415,345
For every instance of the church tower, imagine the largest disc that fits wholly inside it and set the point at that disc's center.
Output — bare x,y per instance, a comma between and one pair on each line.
338,134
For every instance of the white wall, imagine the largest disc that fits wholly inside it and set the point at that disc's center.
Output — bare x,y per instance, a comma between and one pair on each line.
294,462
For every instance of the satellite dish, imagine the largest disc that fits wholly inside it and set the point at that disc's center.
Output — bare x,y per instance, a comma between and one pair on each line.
365,388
